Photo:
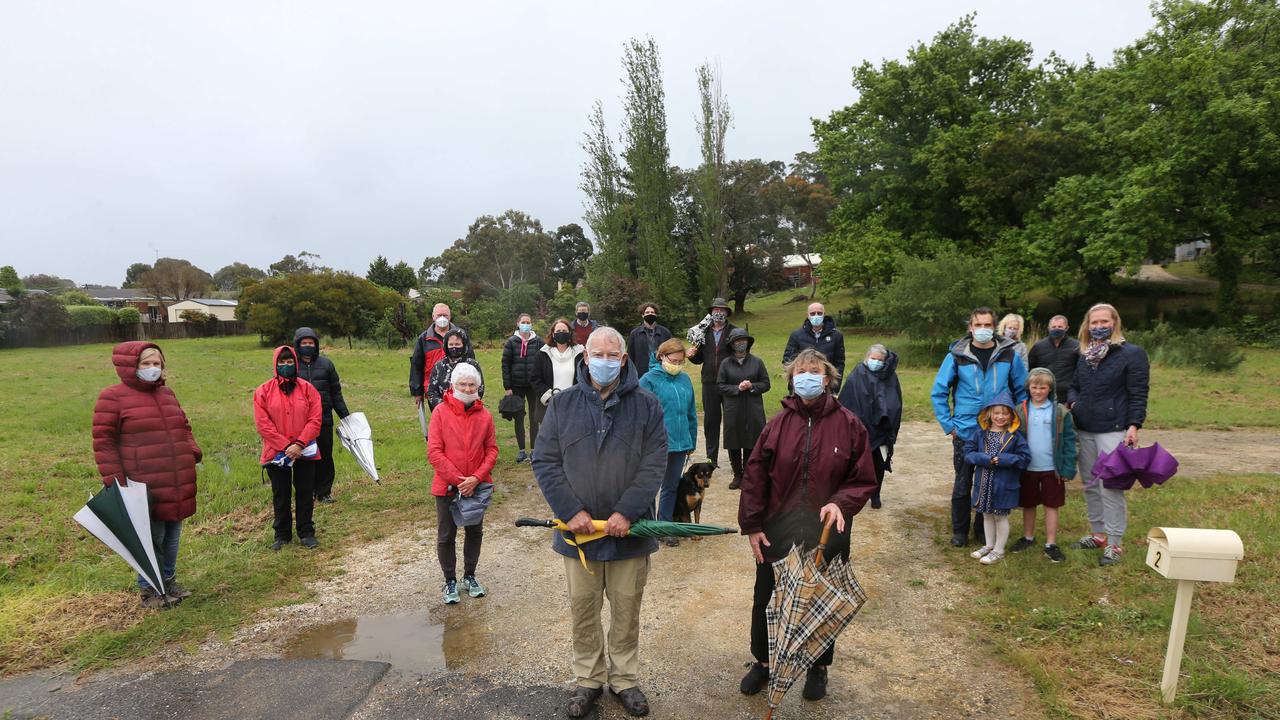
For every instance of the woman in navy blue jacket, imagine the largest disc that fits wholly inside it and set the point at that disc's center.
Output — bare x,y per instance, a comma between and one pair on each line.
1108,401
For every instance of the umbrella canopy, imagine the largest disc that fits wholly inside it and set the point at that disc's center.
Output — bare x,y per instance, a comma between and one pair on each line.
422,420
812,603
120,517
357,438
639,528
1150,465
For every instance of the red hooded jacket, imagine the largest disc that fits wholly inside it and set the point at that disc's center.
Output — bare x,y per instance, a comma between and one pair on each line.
285,418
141,433
461,441
805,458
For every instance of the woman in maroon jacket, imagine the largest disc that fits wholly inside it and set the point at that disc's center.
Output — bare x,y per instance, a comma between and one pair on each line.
811,467
288,413
141,434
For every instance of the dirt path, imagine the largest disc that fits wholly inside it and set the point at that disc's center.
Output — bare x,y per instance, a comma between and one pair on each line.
905,656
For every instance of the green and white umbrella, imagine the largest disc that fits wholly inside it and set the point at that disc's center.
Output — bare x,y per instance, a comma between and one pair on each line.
120,517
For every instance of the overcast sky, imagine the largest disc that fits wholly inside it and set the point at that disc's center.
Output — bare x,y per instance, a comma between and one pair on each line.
242,131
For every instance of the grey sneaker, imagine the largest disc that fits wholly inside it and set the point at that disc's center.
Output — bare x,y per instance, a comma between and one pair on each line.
175,591
1054,553
1022,544
450,594
472,586
1110,556
1090,542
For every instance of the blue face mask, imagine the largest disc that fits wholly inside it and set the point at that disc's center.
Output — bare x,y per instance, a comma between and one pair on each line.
1099,333
604,371
816,320
875,365
525,327
807,385
1057,333
983,335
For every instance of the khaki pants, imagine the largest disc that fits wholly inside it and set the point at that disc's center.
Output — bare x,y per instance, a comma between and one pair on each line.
623,582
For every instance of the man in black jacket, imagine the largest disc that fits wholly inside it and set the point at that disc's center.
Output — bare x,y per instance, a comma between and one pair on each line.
320,372
818,332
645,338
715,347
1058,353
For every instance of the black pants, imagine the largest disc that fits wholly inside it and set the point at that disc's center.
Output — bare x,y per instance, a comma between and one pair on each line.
711,402
301,477
879,462
760,600
446,542
738,459
534,405
324,466
961,494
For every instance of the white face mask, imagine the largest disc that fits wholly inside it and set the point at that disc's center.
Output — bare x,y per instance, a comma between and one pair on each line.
442,322
149,374
466,398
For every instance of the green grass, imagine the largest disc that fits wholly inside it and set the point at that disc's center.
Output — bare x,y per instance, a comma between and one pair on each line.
64,598
1093,639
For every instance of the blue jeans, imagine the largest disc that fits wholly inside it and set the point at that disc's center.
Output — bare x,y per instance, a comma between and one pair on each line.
165,535
670,482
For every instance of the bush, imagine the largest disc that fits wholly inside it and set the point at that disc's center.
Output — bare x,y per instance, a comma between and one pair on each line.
86,315
1215,350
1253,331
72,298
930,299
197,317
128,316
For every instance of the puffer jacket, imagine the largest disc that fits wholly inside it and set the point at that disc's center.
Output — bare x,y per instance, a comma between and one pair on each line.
141,433
428,350
679,412
285,411
322,375
829,342
1014,455
805,458
962,388
461,441
520,362
603,456
876,398
1112,396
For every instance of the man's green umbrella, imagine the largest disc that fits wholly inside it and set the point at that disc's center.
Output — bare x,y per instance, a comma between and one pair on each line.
120,517
639,528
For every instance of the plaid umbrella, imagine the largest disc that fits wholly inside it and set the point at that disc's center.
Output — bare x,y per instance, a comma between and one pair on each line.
639,528
1118,469
812,603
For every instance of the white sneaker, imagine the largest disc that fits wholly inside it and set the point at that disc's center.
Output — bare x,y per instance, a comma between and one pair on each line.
991,558
980,552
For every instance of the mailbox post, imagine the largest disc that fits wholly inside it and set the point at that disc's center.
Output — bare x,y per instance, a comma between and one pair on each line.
1188,555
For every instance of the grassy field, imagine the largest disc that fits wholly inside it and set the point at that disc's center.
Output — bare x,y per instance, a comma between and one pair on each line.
63,598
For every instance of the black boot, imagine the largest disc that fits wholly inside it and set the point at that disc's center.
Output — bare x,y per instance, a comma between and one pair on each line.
735,462
815,683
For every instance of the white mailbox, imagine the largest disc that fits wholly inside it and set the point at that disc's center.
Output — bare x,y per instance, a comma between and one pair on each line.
1194,553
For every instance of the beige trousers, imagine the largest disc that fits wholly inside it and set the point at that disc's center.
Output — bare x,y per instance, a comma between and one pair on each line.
623,582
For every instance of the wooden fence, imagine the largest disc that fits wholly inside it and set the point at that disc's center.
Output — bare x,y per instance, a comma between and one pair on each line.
26,337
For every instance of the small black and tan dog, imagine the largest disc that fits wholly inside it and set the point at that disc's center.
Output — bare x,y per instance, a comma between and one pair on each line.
691,491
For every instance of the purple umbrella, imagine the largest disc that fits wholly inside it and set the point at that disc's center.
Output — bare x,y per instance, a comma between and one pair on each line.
1150,465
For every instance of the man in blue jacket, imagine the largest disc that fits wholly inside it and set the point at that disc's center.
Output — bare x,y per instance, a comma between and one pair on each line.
977,367
601,453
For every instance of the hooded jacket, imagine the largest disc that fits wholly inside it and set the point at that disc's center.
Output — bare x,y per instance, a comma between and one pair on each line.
743,411
322,375
1013,456
461,441
519,361
876,398
806,457
285,415
962,387
603,456
1064,434
679,411
141,433
829,342
427,351
1112,396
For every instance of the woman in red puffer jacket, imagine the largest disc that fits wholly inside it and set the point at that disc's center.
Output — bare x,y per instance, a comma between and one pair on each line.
140,434
288,413
462,446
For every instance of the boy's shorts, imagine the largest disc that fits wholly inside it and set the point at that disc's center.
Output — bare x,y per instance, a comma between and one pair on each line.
1041,487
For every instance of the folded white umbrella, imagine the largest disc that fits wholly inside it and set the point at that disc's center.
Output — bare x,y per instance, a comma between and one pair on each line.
357,438
120,517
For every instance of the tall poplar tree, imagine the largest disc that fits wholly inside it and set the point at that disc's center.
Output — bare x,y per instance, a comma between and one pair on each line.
713,122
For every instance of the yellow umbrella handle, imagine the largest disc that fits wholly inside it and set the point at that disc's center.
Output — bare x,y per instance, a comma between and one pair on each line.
576,540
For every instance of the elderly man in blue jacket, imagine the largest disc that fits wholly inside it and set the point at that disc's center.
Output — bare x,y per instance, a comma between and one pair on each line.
977,367
601,453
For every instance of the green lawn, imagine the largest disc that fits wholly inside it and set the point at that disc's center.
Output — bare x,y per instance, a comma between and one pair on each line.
63,597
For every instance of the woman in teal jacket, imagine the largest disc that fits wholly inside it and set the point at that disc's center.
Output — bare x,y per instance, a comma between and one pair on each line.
674,390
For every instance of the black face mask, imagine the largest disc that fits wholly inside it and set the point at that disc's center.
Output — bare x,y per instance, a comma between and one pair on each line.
651,319
455,352
307,351
286,371
563,337
583,316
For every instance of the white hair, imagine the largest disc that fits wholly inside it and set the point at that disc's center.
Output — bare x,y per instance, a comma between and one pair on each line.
464,371
878,348
604,332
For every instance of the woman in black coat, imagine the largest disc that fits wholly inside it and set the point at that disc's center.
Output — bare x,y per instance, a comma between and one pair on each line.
743,381
873,393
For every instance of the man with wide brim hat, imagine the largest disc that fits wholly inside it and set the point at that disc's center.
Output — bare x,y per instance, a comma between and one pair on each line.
714,348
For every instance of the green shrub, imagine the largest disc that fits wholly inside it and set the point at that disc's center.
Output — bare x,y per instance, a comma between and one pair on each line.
1215,350
128,315
1253,331
930,299
86,315
197,317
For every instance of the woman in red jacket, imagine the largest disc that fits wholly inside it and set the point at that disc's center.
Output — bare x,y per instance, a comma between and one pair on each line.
462,447
141,434
287,411
811,467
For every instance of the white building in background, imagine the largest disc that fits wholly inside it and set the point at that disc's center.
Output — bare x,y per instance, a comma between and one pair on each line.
221,309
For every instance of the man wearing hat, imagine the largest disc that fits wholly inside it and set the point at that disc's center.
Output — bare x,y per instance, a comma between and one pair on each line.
715,348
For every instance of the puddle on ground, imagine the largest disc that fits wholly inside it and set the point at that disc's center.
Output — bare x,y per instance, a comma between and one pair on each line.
410,642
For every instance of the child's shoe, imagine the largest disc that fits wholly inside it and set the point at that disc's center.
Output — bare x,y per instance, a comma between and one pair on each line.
1090,542
980,552
1022,544
1054,553
1110,556
992,557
